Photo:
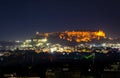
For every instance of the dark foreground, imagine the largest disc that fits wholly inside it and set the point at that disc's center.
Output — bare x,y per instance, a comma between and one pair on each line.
60,65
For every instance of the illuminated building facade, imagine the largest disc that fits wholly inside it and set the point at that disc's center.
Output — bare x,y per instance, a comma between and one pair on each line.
82,36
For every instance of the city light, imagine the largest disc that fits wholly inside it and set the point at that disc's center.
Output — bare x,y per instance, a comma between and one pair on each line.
41,42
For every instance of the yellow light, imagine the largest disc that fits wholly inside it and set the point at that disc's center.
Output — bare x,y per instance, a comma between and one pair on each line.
34,40
28,41
100,33
42,40
39,44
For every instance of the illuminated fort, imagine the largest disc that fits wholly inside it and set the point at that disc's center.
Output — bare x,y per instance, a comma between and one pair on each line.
82,36
77,36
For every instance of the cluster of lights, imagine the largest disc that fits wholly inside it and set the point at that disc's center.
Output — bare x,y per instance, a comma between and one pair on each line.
44,46
31,43
40,42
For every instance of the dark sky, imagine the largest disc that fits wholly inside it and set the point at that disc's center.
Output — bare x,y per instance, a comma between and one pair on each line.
20,19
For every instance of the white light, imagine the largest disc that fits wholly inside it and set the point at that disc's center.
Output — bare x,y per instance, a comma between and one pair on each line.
17,41
103,44
89,70
52,50
47,44
63,53
1,54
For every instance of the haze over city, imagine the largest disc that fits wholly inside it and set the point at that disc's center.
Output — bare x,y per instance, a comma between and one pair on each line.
21,19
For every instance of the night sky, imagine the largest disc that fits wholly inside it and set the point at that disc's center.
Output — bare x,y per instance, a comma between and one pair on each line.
20,19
